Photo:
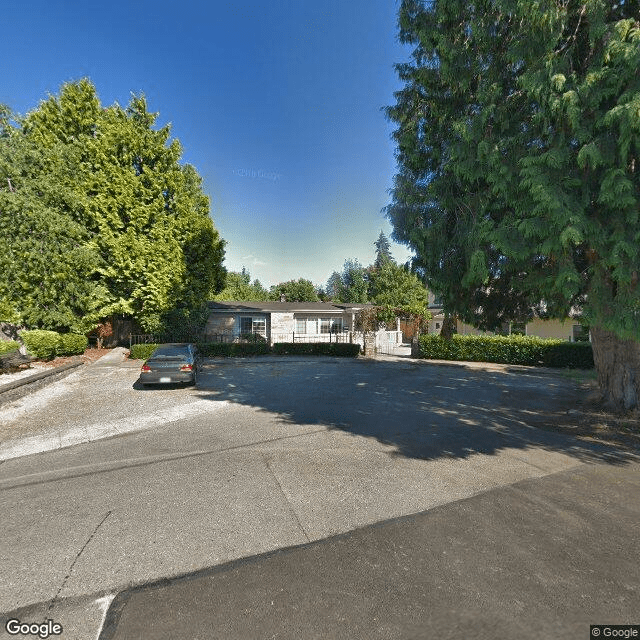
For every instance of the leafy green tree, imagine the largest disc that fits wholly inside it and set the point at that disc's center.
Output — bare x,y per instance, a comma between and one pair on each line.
300,290
238,286
383,251
355,285
390,284
518,186
139,218
49,261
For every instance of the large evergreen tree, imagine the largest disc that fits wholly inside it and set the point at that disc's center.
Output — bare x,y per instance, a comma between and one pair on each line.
110,184
518,146
383,250
49,260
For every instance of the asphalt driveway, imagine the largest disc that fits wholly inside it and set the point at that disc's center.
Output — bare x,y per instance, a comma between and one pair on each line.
264,454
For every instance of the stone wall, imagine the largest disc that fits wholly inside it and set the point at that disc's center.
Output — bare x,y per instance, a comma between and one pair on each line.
282,327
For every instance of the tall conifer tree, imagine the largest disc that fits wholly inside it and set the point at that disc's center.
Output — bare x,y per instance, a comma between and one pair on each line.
519,172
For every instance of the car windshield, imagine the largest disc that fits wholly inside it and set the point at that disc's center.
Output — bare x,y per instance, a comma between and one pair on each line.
170,353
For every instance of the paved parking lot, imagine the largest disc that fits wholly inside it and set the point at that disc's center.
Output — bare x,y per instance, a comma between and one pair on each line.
263,454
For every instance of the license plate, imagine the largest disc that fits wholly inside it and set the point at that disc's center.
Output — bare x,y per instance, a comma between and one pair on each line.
165,379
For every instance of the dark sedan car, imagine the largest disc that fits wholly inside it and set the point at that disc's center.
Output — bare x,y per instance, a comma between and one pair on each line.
170,363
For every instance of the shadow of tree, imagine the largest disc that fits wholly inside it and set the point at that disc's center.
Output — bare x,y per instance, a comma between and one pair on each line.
425,412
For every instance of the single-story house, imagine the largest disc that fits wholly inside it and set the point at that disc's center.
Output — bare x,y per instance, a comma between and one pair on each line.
229,321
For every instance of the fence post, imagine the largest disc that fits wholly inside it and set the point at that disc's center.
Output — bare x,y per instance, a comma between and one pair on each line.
129,343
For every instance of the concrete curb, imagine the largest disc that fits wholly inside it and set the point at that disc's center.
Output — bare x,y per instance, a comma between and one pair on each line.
24,386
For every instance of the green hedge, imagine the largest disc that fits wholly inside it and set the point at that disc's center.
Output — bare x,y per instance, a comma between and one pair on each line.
8,345
317,349
526,350
212,349
49,344
71,344
142,351
239,349
40,343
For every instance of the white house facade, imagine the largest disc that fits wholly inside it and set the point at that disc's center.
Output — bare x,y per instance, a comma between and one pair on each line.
232,321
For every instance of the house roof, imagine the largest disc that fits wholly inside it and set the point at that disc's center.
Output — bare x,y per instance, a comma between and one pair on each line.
285,307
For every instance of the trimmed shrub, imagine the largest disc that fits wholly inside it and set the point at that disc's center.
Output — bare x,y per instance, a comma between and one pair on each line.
8,345
515,349
233,349
575,355
317,349
142,351
40,343
72,344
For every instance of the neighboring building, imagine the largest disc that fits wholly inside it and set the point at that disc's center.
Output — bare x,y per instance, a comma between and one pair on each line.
288,322
569,329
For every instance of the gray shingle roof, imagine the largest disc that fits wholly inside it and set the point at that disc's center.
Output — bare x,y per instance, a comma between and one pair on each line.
285,307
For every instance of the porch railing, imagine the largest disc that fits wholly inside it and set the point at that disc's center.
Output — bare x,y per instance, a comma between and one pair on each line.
344,337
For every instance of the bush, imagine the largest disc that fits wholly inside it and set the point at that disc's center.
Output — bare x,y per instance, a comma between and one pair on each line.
142,351
240,349
212,349
8,345
72,344
525,350
574,355
40,343
317,349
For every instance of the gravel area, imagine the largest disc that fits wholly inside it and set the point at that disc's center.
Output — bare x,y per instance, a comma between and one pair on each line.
38,366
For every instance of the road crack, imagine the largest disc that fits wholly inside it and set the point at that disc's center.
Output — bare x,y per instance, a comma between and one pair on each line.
84,546
295,515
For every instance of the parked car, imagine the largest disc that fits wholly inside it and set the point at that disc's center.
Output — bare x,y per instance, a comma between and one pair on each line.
171,363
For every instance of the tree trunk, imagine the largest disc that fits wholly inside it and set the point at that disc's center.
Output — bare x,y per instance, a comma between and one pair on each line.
449,326
618,365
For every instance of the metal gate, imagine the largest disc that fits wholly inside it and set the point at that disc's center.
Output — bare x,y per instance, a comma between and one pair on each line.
389,343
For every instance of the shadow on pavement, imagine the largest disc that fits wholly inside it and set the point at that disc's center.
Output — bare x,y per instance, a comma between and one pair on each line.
424,411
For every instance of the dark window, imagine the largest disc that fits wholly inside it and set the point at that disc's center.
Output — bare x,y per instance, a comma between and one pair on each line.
253,325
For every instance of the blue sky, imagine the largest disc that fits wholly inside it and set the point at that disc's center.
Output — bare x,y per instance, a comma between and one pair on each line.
277,104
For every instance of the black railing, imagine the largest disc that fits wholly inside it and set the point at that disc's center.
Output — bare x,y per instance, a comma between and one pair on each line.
163,338
246,338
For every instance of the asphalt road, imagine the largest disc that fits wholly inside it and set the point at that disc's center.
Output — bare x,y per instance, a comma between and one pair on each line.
269,454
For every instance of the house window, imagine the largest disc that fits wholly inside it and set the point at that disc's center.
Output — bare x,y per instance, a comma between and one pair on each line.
253,325
306,325
330,325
